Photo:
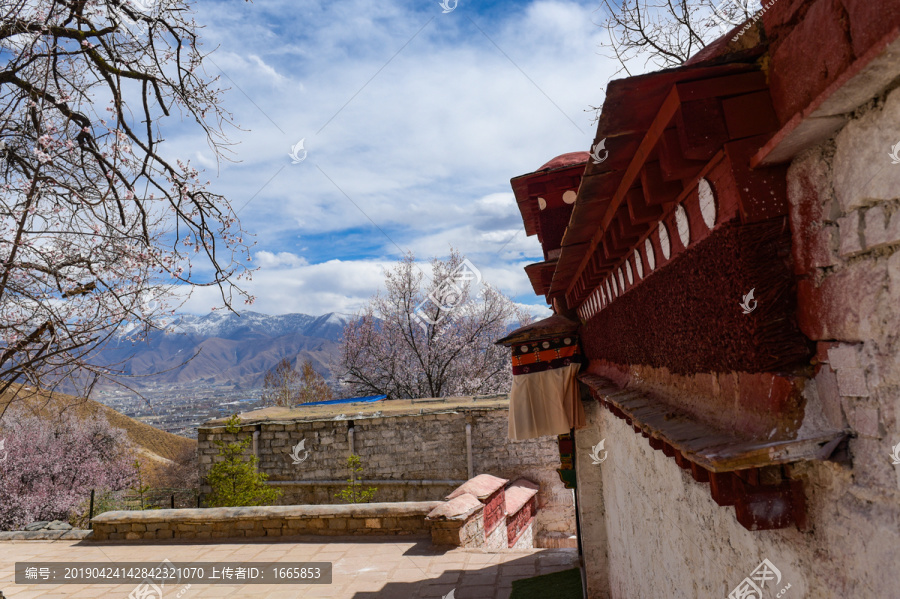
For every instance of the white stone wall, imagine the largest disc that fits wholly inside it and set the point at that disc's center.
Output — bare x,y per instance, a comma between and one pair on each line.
664,535
590,504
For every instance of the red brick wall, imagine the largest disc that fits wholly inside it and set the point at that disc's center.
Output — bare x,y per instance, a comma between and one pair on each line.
494,510
517,523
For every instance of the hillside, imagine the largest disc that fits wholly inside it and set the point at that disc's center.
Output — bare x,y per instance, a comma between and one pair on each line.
149,440
227,348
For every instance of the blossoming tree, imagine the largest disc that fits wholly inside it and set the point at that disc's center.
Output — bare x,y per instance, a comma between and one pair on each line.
430,339
97,222
49,465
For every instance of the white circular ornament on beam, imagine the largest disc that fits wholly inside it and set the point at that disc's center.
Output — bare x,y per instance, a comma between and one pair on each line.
628,273
569,197
621,279
651,256
638,264
542,203
684,229
707,203
664,241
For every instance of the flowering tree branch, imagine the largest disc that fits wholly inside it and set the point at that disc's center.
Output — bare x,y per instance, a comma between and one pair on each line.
98,225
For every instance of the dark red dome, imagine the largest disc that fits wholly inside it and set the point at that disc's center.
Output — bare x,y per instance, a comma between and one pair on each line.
564,160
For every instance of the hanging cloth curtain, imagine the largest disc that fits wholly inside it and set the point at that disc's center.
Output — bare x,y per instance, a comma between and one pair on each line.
544,399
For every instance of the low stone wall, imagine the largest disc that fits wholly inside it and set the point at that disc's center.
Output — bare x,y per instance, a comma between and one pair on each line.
407,458
269,521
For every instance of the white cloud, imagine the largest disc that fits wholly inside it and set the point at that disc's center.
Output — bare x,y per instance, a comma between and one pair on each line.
332,286
537,312
422,144
265,259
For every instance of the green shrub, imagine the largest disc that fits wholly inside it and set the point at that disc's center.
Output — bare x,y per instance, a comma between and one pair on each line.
354,493
234,480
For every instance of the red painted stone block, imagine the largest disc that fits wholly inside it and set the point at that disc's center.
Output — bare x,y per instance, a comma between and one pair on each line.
822,348
766,392
494,511
837,307
517,523
870,21
811,56
782,16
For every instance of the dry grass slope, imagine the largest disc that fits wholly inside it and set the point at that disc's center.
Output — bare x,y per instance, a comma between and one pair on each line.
147,438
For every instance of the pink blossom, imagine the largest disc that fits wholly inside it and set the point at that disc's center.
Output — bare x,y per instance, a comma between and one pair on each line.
52,464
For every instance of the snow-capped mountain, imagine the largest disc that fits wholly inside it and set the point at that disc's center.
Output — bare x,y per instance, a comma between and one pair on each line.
228,348
230,326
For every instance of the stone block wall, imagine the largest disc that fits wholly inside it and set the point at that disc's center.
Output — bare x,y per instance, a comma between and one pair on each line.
469,533
265,521
407,458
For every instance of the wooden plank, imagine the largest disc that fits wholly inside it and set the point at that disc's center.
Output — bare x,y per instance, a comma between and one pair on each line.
712,449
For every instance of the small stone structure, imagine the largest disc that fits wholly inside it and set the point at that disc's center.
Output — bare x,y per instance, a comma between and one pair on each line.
417,450
487,512
265,521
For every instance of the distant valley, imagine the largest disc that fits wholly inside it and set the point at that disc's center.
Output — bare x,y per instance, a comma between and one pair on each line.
231,355
229,350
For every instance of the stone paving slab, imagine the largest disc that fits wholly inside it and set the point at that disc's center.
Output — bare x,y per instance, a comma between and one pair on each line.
383,568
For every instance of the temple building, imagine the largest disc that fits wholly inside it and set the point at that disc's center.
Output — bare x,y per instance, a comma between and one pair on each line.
723,264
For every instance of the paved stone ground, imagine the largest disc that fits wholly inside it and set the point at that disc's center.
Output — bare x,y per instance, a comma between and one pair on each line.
386,568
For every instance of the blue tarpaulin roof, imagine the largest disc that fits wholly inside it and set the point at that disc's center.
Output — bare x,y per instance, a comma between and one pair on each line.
366,399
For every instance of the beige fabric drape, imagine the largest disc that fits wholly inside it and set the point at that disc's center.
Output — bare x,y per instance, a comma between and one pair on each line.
545,403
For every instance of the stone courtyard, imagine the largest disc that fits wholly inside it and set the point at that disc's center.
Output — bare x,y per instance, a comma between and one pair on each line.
385,568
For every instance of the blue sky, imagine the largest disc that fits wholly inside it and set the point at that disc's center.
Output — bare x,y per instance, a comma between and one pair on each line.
413,122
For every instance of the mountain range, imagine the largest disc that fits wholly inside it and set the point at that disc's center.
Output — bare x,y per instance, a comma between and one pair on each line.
227,348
